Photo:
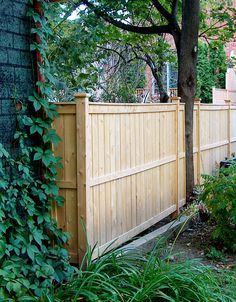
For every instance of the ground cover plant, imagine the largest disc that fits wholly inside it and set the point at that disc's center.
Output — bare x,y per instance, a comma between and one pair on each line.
219,193
122,276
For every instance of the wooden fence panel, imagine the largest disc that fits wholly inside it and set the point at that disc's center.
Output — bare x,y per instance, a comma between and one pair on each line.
233,129
131,171
67,216
124,165
213,137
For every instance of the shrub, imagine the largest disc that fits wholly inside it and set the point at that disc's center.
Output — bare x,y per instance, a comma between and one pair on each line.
219,194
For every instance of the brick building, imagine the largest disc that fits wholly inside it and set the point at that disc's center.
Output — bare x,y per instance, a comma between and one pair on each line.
16,72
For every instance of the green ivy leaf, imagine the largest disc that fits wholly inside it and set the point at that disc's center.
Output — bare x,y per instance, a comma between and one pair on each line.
38,237
3,152
36,103
36,129
47,270
31,250
2,248
51,137
59,200
27,121
3,184
39,154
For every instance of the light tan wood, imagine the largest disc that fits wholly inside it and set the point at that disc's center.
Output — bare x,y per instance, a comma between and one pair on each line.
177,115
129,172
198,140
66,108
128,109
135,231
228,102
82,172
67,184
124,165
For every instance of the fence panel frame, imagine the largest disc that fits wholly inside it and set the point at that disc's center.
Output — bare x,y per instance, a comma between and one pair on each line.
84,110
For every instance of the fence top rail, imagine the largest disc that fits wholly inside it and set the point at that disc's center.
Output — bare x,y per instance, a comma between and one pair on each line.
154,105
131,104
119,104
213,107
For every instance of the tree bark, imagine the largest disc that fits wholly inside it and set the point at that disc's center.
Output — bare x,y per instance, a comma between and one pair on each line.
187,75
157,73
163,93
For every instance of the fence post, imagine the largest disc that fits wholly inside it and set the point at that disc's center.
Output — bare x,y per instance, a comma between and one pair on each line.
82,170
198,125
176,100
228,102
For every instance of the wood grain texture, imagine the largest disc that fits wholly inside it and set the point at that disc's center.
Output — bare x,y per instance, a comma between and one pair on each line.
124,165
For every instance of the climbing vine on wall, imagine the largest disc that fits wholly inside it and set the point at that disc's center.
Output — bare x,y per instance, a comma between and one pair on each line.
32,253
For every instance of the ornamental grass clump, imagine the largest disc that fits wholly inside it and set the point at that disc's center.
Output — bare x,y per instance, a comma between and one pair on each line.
125,276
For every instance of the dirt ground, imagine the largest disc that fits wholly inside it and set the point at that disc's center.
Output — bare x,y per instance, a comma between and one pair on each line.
195,242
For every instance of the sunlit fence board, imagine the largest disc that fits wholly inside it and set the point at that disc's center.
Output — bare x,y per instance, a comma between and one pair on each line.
124,165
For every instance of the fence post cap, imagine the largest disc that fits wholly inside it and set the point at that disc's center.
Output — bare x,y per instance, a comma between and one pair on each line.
227,101
197,100
175,99
81,95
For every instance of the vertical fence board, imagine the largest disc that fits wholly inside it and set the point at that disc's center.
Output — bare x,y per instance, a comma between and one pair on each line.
124,165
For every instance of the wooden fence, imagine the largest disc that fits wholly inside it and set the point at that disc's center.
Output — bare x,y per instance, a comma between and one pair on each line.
124,165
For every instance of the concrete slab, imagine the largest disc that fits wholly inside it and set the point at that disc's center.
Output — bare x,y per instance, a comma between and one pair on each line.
146,243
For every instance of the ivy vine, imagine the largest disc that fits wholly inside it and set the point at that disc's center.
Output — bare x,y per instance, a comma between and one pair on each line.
32,253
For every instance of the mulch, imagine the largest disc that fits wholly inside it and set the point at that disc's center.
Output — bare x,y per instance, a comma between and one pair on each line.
196,242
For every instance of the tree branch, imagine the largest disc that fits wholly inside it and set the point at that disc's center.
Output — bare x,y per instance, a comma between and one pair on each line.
113,50
174,10
213,26
131,28
162,10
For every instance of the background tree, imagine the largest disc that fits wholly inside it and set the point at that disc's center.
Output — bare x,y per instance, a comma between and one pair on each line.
212,66
158,18
97,43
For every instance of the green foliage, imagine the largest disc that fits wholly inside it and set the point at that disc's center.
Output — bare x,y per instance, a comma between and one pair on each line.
219,196
122,83
32,253
89,54
217,20
80,48
212,66
129,276
215,255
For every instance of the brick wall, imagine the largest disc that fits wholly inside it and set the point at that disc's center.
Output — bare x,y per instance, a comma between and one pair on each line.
230,49
16,76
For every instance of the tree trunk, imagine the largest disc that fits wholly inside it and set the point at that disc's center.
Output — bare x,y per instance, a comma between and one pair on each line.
158,77
157,73
187,58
